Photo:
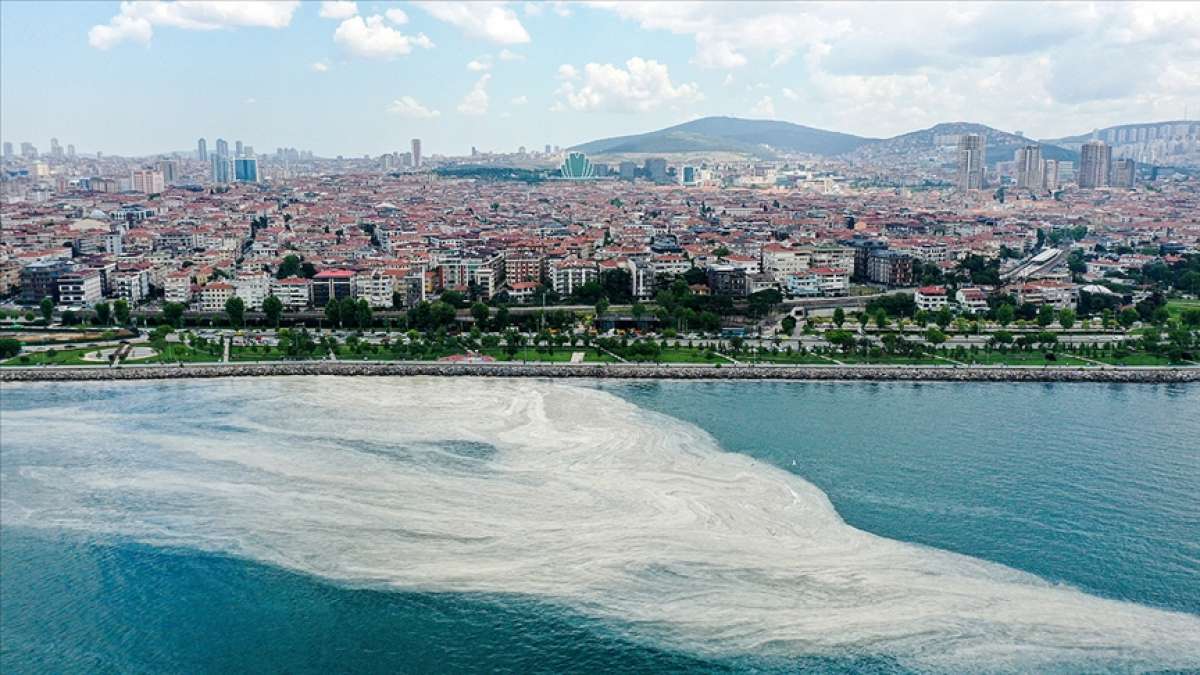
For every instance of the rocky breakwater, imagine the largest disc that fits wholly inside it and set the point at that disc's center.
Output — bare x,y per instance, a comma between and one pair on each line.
620,371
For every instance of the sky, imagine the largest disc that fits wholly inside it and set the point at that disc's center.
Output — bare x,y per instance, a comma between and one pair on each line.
349,78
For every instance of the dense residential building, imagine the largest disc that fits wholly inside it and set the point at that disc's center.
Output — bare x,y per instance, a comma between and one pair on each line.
890,267
931,298
334,284
294,292
81,288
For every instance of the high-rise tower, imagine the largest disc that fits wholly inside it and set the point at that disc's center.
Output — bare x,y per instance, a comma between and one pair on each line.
972,153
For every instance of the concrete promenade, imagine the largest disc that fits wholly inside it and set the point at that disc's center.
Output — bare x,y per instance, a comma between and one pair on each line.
948,373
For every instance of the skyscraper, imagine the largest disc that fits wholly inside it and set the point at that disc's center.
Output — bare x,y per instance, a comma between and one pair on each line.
237,148
656,169
8,149
1029,167
1050,170
972,153
222,148
71,150
245,170
416,153
220,167
1124,173
55,149
169,169
202,150
1094,160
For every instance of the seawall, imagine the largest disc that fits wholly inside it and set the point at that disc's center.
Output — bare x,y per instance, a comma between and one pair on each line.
611,371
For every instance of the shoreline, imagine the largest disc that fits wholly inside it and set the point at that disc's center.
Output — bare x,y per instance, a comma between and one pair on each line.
881,373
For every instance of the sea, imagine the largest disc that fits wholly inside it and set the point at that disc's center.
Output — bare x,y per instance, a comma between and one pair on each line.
426,525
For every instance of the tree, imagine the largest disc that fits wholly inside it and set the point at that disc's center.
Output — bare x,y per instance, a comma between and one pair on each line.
789,325
1045,315
103,313
1161,315
1191,317
235,309
480,313
9,347
347,311
333,312
290,267
363,316
173,313
273,309
943,317
881,319
638,310
454,299
1128,317
47,307
839,317
601,306
934,335
121,310
1066,318
1005,314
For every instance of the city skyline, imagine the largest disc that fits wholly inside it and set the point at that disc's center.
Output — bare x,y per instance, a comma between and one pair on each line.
365,78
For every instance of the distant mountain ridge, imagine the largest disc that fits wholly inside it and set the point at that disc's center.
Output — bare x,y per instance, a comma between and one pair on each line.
765,138
729,134
1104,133
1001,145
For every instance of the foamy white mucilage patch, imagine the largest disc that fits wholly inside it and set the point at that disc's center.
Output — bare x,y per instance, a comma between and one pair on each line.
561,492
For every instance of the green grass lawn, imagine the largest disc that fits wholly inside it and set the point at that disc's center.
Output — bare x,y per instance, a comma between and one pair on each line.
254,354
562,355
1036,358
793,359
1135,359
1176,307
887,359
177,352
56,357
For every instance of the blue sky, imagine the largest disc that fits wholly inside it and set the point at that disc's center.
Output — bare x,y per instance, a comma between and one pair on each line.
354,78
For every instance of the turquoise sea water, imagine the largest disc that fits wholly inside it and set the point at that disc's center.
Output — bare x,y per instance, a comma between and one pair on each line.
232,526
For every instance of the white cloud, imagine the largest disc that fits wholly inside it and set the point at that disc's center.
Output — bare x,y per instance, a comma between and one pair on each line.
137,20
790,94
728,79
372,38
1062,67
764,108
476,100
251,101
338,9
396,16
719,55
479,65
407,106
520,100
507,54
533,9
320,67
485,20
641,86
567,72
